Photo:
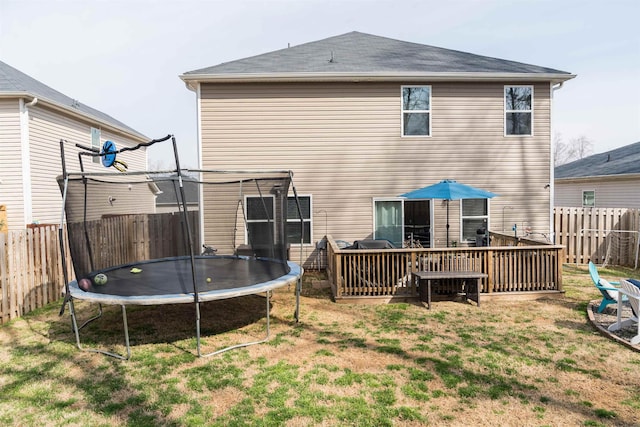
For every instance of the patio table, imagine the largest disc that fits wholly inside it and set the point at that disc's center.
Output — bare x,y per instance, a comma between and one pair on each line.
426,277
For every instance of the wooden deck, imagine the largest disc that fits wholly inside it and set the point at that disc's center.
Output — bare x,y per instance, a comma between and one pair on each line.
383,275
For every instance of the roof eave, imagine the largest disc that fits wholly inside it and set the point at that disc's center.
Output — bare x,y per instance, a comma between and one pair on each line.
75,113
193,79
577,179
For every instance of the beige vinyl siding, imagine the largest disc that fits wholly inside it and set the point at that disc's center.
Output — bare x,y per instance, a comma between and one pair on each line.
46,128
343,141
10,163
610,192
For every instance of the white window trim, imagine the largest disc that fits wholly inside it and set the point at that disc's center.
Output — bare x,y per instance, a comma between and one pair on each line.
505,111
310,221
373,211
594,199
487,216
402,111
273,204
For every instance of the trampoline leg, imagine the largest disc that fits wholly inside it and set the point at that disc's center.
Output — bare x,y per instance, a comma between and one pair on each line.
232,347
126,332
74,323
76,330
198,329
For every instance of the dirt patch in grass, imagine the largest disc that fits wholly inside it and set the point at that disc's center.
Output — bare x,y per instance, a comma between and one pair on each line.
505,363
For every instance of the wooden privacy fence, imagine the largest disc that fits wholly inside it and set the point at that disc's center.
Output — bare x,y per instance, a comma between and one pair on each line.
30,270
386,273
602,235
31,273
125,239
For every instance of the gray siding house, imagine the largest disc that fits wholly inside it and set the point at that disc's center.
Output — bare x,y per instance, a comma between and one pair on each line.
605,180
361,119
33,119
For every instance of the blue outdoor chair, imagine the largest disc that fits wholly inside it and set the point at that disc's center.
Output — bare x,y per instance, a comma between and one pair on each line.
607,289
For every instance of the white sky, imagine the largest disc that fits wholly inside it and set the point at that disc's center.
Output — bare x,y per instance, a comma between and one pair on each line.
123,57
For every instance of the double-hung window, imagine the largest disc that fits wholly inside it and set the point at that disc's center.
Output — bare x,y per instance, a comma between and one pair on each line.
293,220
475,216
260,220
518,110
416,110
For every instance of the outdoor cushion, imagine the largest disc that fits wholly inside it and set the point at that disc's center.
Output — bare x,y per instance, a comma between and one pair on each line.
634,282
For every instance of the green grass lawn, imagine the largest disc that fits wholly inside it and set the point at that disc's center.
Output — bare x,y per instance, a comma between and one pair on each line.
532,363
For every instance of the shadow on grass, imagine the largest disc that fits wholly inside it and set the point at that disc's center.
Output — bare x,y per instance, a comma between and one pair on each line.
468,377
161,324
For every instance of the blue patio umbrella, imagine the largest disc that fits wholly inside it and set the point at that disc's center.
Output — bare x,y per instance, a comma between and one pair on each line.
448,190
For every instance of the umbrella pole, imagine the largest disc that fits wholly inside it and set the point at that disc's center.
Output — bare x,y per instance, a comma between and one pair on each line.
447,223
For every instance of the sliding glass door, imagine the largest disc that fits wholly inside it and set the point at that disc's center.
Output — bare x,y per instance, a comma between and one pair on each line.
388,221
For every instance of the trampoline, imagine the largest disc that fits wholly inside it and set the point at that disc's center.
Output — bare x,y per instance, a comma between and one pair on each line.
125,253
169,281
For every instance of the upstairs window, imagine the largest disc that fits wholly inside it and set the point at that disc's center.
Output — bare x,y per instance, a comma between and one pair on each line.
518,110
416,110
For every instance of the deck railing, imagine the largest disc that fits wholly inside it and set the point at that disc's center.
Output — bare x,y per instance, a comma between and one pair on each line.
387,272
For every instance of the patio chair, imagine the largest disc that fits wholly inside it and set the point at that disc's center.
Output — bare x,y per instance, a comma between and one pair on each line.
634,301
607,289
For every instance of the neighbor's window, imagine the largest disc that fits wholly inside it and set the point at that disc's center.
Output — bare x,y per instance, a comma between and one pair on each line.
293,220
518,110
416,110
588,199
260,221
95,142
475,215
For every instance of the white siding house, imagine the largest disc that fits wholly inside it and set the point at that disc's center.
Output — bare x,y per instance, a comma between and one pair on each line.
605,180
362,119
33,120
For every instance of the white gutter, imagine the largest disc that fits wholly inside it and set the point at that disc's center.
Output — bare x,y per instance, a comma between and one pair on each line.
595,178
370,77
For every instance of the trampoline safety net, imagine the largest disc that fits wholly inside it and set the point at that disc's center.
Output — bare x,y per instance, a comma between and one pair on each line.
128,218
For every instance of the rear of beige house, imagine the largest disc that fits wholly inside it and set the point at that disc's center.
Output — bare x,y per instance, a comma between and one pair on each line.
342,136
33,120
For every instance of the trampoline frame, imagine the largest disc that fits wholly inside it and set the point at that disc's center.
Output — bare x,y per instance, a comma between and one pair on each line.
197,297
267,287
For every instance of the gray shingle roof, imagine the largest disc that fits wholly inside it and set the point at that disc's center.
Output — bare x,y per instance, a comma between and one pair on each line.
170,192
16,83
365,53
623,160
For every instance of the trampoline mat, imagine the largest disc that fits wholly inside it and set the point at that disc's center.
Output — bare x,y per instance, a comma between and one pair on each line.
169,280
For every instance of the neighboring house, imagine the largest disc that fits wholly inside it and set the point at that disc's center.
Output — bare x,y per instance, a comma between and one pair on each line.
361,119
168,199
33,120
605,180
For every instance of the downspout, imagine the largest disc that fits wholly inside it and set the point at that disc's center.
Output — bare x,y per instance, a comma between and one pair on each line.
25,157
552,175
199,160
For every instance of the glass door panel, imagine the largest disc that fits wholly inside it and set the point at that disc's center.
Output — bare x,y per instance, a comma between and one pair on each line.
388,221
